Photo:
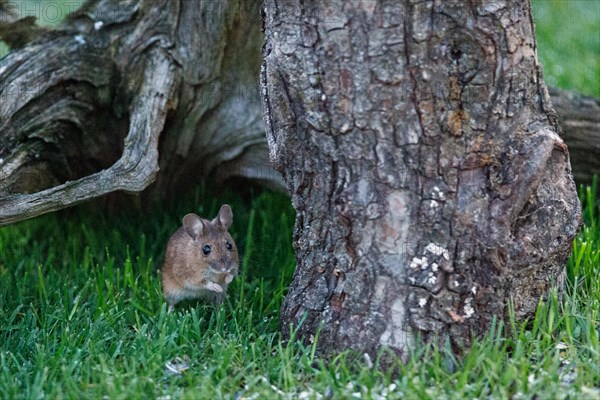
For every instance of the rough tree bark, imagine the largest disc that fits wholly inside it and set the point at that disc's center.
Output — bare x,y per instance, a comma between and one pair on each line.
424,161
128,91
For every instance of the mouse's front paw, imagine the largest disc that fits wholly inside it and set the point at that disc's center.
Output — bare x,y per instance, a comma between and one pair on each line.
228,278
214,287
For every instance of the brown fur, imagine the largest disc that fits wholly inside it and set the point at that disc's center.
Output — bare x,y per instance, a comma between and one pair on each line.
188,273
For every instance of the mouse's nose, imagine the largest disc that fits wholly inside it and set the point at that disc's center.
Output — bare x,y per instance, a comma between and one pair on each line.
225,264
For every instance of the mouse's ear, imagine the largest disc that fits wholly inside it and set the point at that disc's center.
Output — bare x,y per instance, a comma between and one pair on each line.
193,225
225,217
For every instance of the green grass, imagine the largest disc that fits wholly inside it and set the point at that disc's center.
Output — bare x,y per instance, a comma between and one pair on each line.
568,38
82,316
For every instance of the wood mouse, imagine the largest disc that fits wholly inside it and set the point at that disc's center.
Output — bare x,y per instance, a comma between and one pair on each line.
201,259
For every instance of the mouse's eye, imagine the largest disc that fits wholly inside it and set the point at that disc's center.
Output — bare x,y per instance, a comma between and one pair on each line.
206,249
228,246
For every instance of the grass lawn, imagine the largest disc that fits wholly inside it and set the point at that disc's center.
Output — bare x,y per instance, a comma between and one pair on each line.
568,37
82,314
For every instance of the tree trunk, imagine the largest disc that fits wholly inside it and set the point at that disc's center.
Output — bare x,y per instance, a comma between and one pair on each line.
424,161
124,93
